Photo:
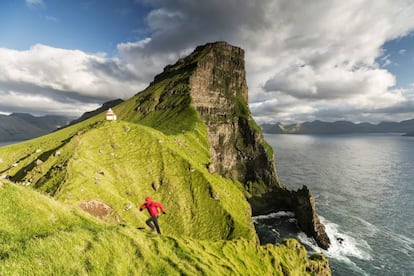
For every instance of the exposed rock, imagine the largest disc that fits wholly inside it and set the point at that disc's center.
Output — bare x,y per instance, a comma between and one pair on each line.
237,148
214,195
127,207
215,79
302,203
308,220
155,186
100,171
38,162
100,210
218,89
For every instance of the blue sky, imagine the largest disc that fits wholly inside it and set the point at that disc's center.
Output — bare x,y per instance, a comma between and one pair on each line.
92,26
305,60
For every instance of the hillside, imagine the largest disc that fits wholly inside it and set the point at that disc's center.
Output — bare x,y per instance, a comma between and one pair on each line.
22,126
162,146
105,106
339,127
41,236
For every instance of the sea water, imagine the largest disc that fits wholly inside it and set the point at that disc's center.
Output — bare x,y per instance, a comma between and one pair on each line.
364,191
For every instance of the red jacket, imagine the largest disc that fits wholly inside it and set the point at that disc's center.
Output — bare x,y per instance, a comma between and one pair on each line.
152,207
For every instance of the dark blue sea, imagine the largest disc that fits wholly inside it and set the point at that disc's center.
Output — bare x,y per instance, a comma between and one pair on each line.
364,191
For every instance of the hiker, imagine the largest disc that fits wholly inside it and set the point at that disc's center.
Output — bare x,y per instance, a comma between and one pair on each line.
152,207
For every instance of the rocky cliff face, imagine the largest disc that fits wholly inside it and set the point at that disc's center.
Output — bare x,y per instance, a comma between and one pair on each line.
212,83
215,77
219,93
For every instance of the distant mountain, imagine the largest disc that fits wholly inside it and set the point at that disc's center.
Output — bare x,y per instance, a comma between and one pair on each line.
23,126
339,127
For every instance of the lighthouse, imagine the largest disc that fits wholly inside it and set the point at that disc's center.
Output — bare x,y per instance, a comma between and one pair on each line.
110,115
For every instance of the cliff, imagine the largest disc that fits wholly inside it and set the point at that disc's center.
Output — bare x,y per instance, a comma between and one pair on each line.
212,81
215,80
161,146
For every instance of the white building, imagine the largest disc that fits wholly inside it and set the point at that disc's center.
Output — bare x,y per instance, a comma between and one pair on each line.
110,115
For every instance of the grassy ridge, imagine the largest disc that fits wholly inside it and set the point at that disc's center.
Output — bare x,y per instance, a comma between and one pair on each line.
207,229
158,148
120,163
42,236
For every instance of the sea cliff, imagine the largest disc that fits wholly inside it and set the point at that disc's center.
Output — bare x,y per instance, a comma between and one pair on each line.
189,141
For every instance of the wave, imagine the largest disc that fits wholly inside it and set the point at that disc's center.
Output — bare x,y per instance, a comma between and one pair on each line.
343,246
279,214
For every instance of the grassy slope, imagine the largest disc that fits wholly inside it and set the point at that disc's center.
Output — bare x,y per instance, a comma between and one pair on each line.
120,168
42,236
159,149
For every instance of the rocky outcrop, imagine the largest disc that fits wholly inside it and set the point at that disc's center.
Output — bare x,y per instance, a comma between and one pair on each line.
308,220
301,202
215,79
100,210
220,95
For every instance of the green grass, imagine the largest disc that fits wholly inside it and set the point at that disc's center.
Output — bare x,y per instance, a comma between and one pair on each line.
158,148
41,236
207,229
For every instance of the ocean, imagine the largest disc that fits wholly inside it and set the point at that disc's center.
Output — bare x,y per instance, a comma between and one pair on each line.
364,191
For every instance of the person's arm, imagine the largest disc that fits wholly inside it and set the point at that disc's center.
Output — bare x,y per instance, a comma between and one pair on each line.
159,205
143,206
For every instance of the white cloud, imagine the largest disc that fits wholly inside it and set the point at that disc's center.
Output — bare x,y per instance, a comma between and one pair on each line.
51,18
318,54
32,3
304,59
64,77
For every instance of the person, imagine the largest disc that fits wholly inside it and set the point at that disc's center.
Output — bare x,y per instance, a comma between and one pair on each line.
152,207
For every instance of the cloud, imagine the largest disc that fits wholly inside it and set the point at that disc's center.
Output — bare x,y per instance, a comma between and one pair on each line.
304,59
33,3
402,51
51,18
62,78
317,55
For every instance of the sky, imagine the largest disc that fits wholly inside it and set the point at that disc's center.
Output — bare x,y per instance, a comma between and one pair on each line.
306,60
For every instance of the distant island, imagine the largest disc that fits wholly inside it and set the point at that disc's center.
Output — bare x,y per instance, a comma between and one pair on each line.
340,127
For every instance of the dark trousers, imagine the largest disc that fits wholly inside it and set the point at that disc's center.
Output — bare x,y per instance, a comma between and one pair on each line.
152,222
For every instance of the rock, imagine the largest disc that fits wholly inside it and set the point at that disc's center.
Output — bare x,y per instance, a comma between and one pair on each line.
100,210
308,219
100,171
127,207
300,202
220,95
214,195
155,186
57,153
38,162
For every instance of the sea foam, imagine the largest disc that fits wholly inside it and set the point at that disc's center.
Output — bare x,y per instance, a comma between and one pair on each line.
343,245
